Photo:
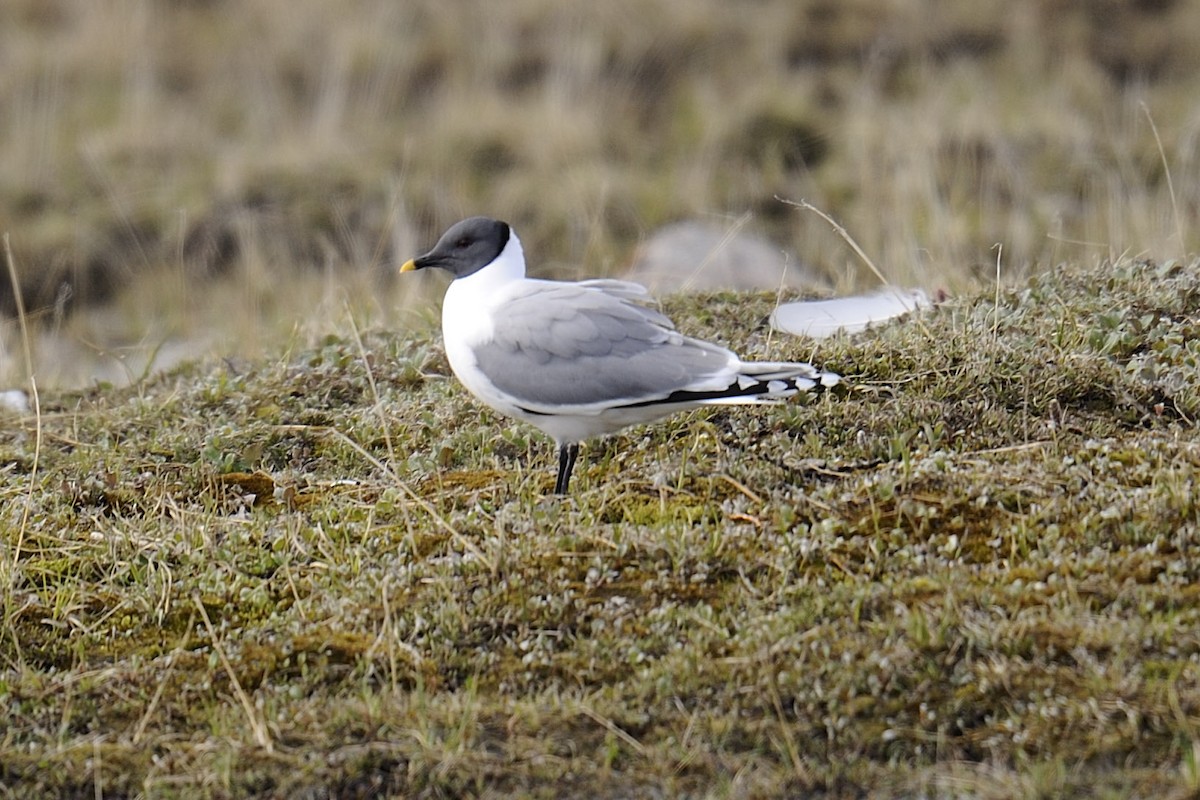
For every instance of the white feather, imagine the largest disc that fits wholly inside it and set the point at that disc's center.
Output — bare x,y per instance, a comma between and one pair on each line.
14,400
823,318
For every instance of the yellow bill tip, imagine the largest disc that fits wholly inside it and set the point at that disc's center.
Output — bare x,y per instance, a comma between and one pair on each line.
408,266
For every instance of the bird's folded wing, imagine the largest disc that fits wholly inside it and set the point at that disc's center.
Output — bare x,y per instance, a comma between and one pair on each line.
625,290
589,345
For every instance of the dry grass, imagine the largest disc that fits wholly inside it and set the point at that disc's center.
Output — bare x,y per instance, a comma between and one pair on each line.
299,144
332,574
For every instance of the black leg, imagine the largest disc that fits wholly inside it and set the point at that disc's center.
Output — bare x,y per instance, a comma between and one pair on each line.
567,453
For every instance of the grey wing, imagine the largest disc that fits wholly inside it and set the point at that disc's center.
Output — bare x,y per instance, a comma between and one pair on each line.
563,344
625,290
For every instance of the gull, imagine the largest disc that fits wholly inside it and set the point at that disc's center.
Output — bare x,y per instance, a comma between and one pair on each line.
581,359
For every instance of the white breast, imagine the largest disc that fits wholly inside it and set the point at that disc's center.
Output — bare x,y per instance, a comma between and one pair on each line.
467,318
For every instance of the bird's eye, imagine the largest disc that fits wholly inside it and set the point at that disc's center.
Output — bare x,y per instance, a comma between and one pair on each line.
462,243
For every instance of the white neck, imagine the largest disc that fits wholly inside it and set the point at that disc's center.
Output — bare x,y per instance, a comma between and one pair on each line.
508,266
464,310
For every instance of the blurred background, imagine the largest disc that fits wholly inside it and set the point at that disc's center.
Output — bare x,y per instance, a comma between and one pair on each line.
187,177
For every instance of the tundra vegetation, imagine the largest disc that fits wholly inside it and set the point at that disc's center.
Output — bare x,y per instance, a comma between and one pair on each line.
305,563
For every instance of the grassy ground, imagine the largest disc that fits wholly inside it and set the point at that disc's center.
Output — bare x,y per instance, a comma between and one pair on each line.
331,573
308,565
